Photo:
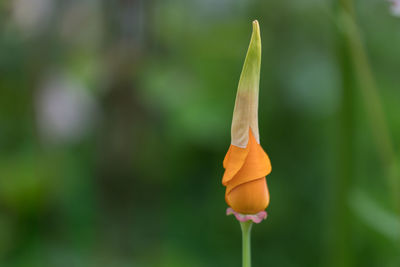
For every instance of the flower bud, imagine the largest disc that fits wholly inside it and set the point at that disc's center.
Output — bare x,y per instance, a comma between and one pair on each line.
246,164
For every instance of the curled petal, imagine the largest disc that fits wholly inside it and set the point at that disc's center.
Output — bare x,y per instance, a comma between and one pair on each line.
250,164
256,218
233,162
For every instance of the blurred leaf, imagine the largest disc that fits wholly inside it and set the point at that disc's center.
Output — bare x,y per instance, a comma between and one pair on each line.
373,215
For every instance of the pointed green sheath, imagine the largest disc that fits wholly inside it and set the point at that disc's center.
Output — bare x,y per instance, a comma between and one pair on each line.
245,114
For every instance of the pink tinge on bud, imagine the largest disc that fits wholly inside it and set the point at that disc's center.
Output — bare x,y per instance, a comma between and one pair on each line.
256,218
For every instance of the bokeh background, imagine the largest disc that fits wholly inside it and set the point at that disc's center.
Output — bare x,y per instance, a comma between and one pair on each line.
115,118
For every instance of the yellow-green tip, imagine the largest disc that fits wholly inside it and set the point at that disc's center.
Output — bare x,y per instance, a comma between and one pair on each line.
256,30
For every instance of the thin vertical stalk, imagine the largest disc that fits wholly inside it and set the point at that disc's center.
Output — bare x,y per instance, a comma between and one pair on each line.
373,105
353,48
340,247
246,242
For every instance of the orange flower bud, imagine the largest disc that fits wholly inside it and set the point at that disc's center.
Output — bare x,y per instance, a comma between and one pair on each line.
246,164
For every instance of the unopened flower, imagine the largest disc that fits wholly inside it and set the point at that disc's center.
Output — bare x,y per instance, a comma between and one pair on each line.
246,164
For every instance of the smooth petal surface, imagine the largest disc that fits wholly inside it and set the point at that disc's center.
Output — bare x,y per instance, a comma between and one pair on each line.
233,162
245,165
244,178
249,198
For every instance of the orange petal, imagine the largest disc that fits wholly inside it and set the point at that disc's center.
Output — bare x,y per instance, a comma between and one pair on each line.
255,165
234,160
249,198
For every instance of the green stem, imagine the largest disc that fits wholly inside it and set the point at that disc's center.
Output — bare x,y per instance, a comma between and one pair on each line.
373,105
340,249
246,246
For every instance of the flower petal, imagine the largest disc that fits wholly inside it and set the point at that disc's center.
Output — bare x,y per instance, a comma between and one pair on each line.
250,197
256,165
234,160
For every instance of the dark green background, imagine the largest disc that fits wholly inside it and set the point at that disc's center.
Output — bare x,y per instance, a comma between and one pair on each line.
138,182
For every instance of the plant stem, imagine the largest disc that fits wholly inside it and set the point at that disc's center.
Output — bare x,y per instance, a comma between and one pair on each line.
340,249
246,246
373,105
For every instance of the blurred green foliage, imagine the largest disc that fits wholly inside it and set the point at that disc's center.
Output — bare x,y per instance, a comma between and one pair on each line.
115,118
